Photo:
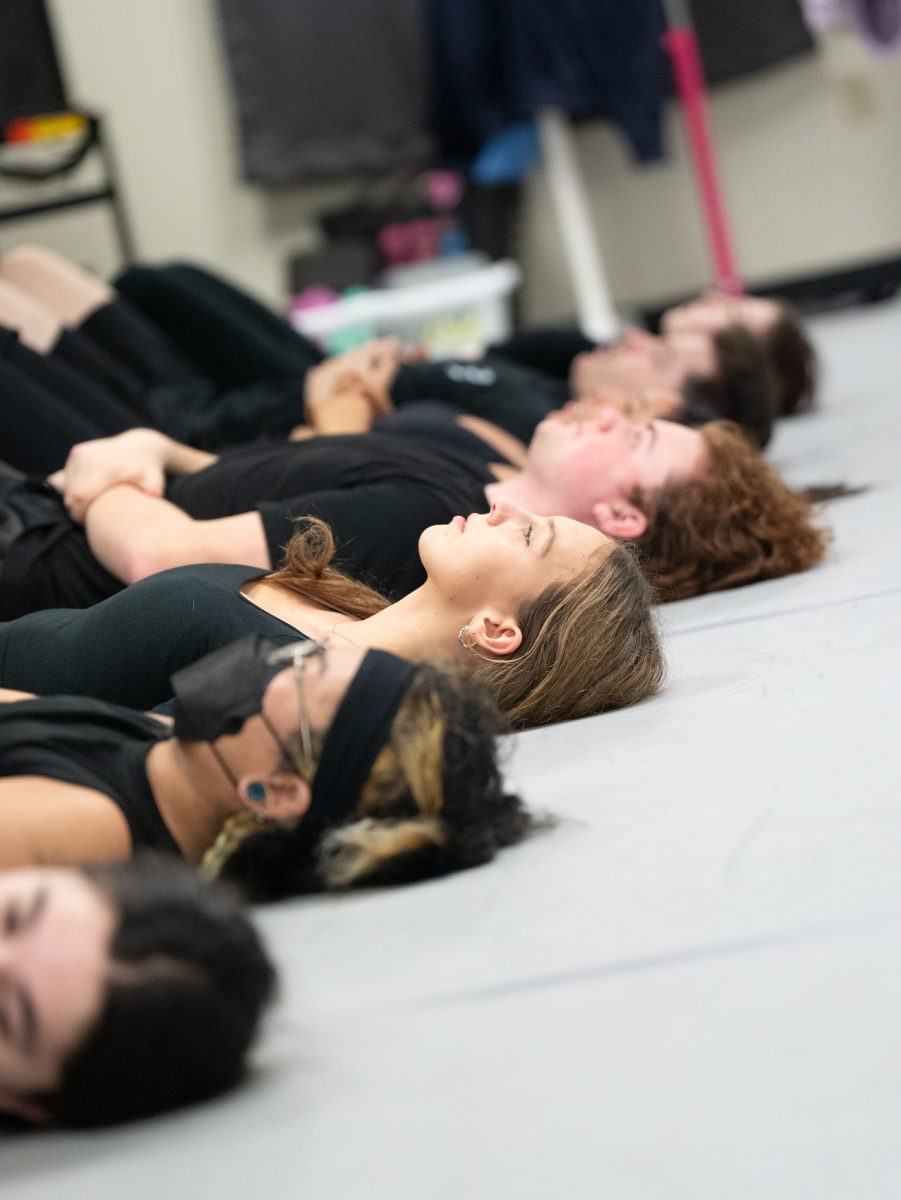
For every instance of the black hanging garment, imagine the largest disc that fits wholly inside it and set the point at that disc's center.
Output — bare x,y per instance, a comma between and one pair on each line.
737,38
497,62
326,90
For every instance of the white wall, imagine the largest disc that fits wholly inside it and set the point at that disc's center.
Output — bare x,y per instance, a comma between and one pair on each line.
810,159
810,153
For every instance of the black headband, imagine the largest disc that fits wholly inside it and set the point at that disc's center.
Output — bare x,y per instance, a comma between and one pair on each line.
358,732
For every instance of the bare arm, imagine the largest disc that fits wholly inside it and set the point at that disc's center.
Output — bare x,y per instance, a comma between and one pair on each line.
9,695
344,408
143,457
134,535
344,394
44,822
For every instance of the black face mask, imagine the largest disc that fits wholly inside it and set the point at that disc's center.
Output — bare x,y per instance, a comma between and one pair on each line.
216,695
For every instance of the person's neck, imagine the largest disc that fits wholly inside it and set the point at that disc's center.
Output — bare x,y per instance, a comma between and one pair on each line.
420,625
523,489
191,793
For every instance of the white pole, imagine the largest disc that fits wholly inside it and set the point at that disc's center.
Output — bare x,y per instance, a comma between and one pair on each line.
597,316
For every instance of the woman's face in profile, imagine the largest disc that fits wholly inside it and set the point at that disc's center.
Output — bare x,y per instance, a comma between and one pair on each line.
55,932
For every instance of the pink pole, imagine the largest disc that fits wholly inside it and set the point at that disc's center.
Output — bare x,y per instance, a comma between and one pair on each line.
683,51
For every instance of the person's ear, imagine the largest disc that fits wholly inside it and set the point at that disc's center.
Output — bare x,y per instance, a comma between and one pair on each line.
24,1109
495,633
281,797
620,519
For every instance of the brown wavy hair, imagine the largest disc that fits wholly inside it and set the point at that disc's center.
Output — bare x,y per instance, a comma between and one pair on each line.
734,522
589,645
307,570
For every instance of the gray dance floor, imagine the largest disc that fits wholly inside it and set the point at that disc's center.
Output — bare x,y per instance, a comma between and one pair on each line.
690,988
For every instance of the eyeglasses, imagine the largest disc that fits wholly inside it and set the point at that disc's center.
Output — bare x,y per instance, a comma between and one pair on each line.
297,654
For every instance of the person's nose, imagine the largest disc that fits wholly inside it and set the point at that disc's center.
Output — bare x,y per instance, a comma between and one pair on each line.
606,419
638,339
504,510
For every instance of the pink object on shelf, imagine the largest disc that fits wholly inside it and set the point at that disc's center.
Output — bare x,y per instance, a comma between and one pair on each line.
315,296
683,51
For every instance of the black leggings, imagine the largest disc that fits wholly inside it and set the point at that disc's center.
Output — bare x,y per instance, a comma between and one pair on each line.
46,407
185,352
231,338
236,340
118,371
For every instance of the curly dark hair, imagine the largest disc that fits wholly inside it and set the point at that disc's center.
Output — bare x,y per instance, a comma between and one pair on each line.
434,803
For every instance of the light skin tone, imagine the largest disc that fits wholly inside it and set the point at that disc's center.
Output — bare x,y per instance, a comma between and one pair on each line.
714,311
46,820
643,404
591,467
135,534
644,360
481,572
55,932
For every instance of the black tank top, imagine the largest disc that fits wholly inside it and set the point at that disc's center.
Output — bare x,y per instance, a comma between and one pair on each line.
126,648
91,744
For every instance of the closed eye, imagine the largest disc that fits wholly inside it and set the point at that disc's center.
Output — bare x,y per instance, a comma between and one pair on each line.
12,917
23,1029
527,534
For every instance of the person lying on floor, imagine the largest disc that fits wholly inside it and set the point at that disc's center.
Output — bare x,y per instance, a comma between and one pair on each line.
774,326
205,363
551,618
286,769
703,507
129,989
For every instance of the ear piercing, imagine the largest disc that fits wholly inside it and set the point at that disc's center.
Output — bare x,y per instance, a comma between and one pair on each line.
256,793
461,637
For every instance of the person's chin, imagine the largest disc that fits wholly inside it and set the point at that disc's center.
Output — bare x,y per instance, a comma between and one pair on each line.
554,425
432,538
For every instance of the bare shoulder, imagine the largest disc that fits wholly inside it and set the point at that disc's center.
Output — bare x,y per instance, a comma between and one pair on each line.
45,822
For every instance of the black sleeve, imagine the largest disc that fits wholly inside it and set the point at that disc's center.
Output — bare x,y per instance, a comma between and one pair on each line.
376,528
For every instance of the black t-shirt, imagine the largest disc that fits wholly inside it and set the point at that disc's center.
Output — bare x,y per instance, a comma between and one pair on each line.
512,396
126,648
91,744
377,492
